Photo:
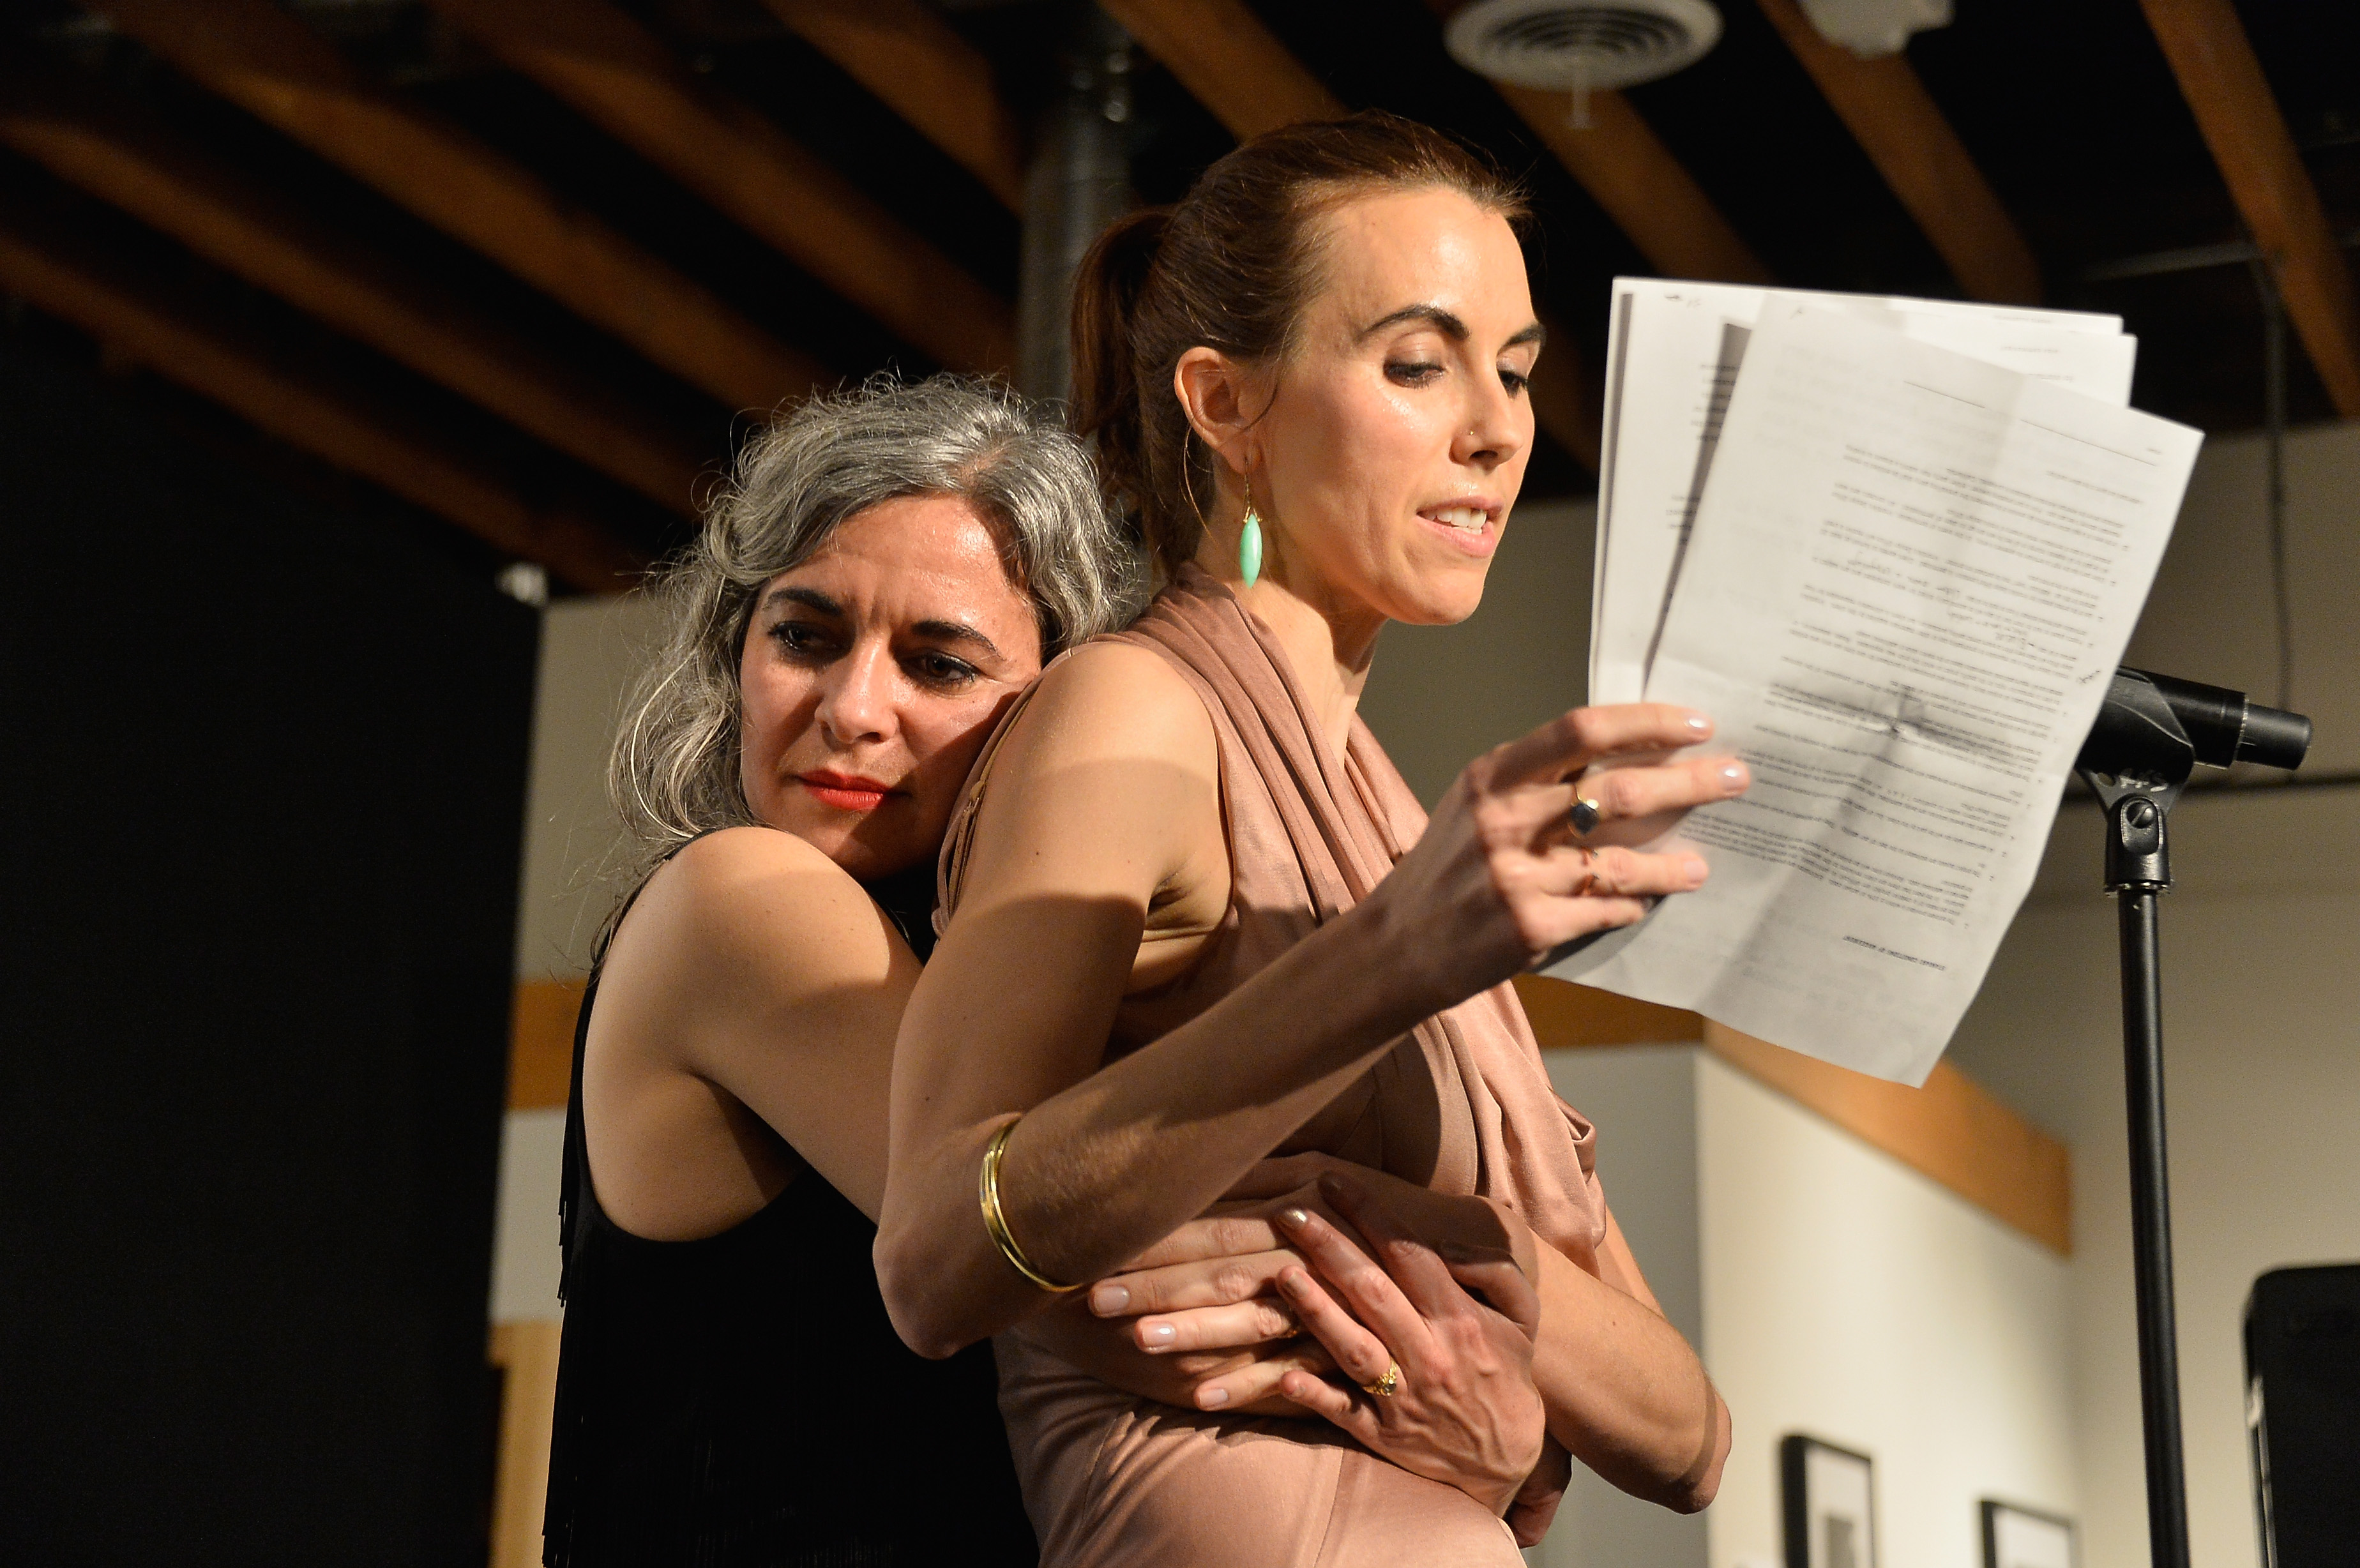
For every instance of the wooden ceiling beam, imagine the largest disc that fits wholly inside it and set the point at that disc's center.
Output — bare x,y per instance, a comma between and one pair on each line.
1229,62
2242,125
1904,132
1250,81
1635,179
916,64
43,262
1642,187
132,163
276,69
598,58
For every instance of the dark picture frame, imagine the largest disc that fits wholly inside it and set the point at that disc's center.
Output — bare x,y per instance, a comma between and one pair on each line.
1827,1497
2018,1537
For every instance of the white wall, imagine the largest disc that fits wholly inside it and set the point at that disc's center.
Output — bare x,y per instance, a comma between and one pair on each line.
589,652
526,1259
587,658
1848,1297
2261,942
1832,1291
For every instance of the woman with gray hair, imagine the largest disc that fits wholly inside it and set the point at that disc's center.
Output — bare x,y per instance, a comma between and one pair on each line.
887,570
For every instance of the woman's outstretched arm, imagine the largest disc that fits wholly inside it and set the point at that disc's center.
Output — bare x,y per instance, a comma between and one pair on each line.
1094,814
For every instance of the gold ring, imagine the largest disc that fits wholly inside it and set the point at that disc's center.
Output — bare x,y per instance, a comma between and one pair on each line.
1383,1386
1586,815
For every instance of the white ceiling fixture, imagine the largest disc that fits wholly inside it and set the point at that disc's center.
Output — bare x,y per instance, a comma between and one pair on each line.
1577,46
1873,28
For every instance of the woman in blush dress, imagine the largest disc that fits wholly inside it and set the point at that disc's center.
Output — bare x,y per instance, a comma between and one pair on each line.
1199,934
884,575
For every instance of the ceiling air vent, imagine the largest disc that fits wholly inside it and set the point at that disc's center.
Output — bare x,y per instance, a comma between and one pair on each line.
1578,46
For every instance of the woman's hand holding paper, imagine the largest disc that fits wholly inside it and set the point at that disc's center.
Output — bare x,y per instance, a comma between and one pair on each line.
1501,868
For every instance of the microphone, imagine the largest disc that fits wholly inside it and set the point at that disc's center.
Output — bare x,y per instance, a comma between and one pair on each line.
2152,729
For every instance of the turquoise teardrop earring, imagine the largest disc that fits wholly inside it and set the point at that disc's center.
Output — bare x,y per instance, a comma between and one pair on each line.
1249,547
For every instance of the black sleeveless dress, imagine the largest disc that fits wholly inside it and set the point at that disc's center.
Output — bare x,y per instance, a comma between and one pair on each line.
743,1402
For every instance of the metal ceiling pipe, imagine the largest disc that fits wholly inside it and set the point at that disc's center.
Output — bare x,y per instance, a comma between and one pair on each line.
1078,183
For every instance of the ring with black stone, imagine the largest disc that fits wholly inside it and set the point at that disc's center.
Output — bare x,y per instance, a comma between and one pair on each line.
1585,815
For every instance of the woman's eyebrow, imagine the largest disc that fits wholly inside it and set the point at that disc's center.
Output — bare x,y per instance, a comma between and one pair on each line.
1449,324
809,598
1445,322
956,631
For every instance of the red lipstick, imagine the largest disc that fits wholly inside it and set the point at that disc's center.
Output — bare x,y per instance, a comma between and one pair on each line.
846,791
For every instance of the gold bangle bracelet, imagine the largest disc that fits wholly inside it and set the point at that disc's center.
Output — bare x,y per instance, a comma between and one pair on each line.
988,1192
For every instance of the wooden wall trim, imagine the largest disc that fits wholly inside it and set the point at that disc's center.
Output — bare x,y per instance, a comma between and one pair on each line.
1567,1017
526,1354
541,1043
1951,1130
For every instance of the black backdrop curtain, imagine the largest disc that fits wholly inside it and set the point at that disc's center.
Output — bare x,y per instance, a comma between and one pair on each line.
264,761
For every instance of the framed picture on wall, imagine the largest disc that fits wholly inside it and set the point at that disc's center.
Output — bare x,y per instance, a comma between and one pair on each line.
2025,1538
1829,1498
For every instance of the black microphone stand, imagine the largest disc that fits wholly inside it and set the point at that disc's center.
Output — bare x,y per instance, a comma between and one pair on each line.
2149,735
2138,869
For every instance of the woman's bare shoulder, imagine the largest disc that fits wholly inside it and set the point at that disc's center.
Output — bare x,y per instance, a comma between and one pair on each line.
749,902
721,871
1116,699
1108,783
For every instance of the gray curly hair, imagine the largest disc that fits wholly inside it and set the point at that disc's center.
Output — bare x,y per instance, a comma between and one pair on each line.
675,771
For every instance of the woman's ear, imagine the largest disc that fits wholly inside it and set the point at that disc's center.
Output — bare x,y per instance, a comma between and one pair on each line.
1213,394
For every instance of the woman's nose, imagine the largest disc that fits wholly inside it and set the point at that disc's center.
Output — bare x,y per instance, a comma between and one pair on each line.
1497,426
857,698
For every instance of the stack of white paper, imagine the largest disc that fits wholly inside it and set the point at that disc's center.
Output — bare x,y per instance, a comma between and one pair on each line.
1895,548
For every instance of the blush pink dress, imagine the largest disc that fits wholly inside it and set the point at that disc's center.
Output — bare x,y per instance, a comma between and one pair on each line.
1461,1104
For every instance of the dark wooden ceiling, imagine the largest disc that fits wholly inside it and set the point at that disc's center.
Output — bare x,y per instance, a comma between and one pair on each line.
560,395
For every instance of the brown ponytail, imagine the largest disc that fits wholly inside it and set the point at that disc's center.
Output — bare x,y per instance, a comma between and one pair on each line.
1230,267
1107,287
